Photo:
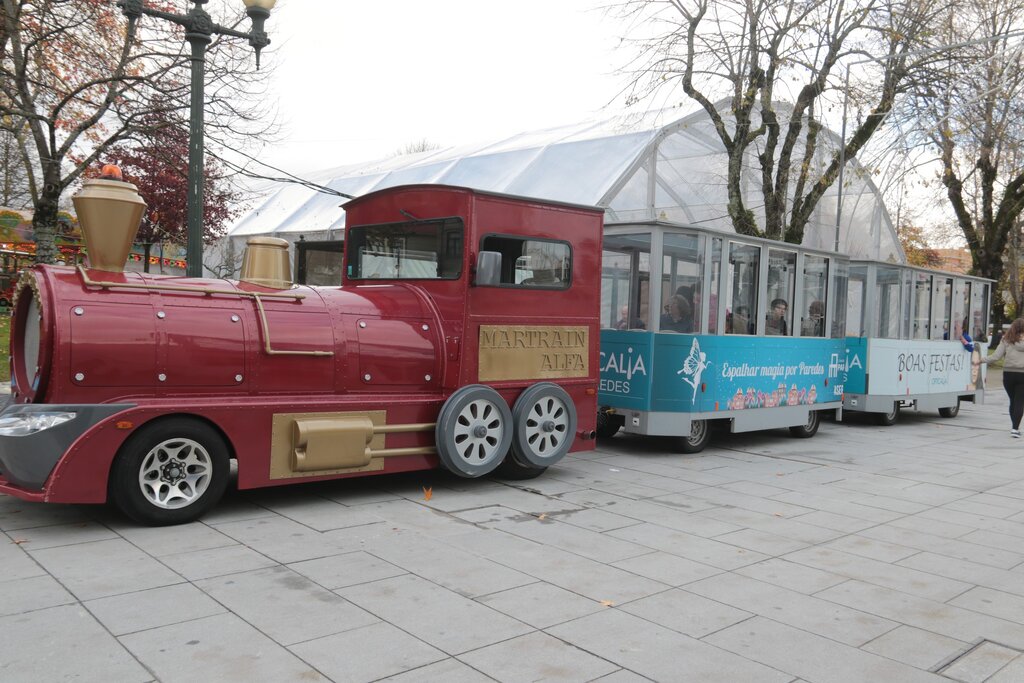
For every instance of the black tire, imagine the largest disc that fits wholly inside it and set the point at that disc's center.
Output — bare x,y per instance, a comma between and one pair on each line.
952,411
700,436
608,424
511,468
171,471
545,425
890,418
474,431
806,431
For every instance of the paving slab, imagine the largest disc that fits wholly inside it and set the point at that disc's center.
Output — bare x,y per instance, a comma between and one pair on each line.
438,616
285,605
367,653
537,657
64,644
218,648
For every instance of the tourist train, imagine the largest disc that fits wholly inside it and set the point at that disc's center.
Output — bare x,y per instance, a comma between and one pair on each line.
472,331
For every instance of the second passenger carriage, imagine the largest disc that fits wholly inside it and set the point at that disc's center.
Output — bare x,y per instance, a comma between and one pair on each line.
699,327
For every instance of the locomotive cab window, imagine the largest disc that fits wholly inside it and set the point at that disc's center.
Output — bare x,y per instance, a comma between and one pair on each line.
417,250
545,264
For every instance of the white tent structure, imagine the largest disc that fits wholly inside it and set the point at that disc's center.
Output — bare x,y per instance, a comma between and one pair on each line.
628,164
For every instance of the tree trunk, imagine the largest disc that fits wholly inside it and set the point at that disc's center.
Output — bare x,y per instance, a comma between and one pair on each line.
146,248
44,223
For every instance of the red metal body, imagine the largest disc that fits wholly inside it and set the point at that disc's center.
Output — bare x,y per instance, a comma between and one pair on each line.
206,355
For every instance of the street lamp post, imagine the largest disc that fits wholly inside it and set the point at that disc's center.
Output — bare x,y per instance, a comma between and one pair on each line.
199,30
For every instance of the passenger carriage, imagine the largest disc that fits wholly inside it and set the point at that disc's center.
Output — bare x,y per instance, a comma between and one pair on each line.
738,360
903,346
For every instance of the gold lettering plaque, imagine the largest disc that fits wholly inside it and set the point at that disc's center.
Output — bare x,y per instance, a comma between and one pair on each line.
533,352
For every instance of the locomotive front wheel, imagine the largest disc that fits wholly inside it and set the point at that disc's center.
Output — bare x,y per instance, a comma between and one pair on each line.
474,431
810,428
889,418
170,472
952,411
697,440
545,425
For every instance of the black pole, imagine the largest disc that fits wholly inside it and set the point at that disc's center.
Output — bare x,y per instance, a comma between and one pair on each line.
196,173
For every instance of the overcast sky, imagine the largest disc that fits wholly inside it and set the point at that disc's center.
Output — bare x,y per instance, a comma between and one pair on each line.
358,81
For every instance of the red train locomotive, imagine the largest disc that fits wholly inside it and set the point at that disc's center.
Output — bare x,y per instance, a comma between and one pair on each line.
464,335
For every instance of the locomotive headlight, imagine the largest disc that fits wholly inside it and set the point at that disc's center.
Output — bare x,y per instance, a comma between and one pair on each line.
30,423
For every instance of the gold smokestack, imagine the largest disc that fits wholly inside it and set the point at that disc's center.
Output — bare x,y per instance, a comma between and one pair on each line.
109,212
265,262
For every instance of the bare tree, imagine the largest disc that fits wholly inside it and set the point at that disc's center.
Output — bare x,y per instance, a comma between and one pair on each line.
758,52
971,108
81,78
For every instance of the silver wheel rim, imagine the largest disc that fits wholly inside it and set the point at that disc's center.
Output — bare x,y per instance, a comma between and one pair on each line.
697,429
546,425
478,432
811,417
175,473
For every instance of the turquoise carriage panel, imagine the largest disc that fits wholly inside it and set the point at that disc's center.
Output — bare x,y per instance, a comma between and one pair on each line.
856,365
626,360
700,373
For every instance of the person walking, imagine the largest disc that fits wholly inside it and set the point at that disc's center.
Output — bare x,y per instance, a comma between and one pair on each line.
1011,351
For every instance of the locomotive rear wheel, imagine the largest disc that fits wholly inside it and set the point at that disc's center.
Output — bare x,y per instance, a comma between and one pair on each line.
545,425
810,428
697,440
474,431
170,472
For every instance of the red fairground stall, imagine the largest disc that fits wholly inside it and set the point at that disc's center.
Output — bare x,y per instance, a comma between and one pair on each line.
464,335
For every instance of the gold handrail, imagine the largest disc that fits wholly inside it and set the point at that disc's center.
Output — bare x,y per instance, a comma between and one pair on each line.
266,336
104,284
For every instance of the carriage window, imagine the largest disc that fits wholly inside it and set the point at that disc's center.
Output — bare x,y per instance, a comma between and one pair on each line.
906,290
429,249
741,288
682,277
716,270
781,285
979,312
840,288
625,282
887,299
531,262
922,304
815,281
855,303
944,302
961,309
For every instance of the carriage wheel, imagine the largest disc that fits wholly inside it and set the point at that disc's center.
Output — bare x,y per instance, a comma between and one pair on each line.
810,428
698,439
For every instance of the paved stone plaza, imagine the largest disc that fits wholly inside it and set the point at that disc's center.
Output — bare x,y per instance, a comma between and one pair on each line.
864,554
